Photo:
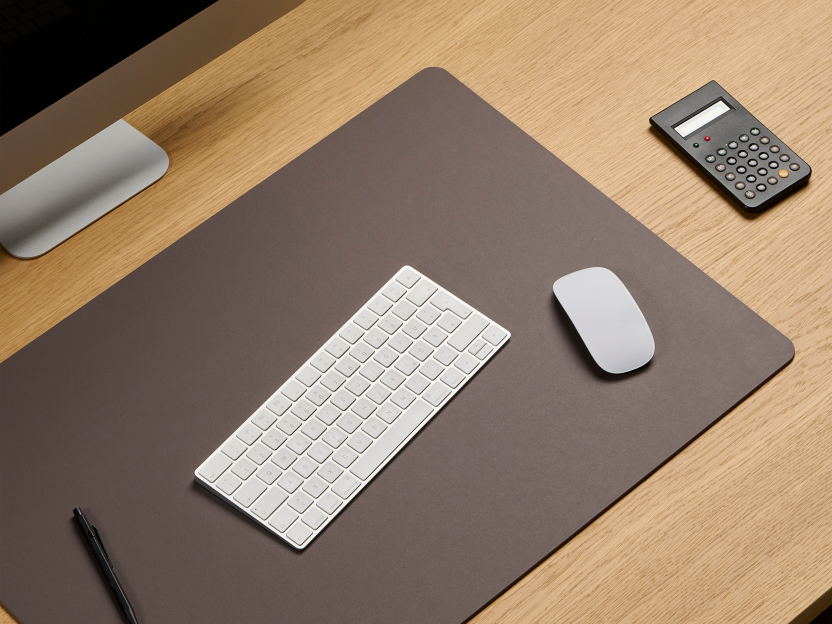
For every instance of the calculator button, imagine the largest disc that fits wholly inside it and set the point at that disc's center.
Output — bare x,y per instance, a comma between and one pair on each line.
783,173
794,166
731,161
741,169
744,138
784,157
707,138
710,158
773,164
742,153
730,177
753,147
696,144
720,167
772,180
762,171
765,140
751,178
763,156
761,187
755,131
733,145
774,149
740,185
722,151
752,162
750,194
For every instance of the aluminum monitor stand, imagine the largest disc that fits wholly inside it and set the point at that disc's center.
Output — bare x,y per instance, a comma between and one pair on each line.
81,186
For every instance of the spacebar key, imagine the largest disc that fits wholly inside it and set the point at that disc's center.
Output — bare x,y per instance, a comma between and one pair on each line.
391,440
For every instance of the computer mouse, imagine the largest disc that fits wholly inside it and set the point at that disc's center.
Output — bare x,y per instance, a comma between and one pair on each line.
608,319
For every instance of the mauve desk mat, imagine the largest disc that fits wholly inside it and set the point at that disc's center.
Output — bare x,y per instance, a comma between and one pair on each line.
113,409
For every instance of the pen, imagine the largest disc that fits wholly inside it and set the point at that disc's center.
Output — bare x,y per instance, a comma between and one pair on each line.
99,553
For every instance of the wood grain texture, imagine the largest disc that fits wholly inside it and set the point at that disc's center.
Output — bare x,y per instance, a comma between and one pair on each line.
736,528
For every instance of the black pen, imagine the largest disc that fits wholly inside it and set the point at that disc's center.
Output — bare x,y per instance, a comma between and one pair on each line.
99,553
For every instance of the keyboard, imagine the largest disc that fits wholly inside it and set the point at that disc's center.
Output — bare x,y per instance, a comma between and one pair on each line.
313,445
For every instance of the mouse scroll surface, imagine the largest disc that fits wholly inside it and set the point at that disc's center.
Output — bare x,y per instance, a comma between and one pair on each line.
608,319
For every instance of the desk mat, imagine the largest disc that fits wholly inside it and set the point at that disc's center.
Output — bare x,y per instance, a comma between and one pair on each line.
112,409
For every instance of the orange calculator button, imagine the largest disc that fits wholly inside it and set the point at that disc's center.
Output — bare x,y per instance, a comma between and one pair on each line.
783,173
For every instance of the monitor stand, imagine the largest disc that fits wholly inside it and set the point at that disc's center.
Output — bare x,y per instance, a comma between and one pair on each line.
81,186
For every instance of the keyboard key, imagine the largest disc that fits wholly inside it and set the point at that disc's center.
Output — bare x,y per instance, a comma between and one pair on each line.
444,301
329,503
357,385
290,482
328,414
303,409
258,454
398,432
363,407
288,424
407,364
323,361
421,351
483,353
269,473
299,533
475,347
342,400
465,335
417,384
249,433
436,394
308,376
393,379
466,363
314,518
449,322
234,448
336,347
304,466
335,437
365,319
249,493
298,443
404,310
393,291
431,369
380,305
267,503
375,337
332,381
351,333
414,329
435,336
344,457
214,467
300,502
428,315
313,429
361,352
445,355
318,395
359,442
378,393
293,390
388,413
421,293
400,342
371,371
390,324
264,419
329,472
228,483
373,427
284,458
320,452
407,277
349,422
402,398
347,366
283,519
345,487
243,469
273,439
278,404
452,377
495,334
314,487
385,356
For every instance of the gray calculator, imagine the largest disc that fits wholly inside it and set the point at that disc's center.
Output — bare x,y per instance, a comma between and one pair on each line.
738,153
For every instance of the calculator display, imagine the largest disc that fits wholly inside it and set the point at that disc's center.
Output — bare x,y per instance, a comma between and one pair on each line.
715,110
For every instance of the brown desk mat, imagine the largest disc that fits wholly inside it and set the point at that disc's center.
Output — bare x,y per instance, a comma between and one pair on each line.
114,408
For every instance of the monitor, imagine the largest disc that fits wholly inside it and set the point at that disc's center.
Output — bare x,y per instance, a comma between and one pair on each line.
69,71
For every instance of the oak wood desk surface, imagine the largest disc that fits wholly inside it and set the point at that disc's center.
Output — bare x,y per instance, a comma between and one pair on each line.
737,527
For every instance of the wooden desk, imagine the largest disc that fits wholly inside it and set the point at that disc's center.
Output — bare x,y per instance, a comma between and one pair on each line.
735,528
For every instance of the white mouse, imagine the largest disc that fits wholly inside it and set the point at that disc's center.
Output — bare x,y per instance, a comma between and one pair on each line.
608,319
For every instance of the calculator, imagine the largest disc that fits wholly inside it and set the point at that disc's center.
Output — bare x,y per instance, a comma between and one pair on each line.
738,153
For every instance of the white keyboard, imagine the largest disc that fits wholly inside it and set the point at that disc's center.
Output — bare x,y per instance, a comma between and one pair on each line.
317,441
